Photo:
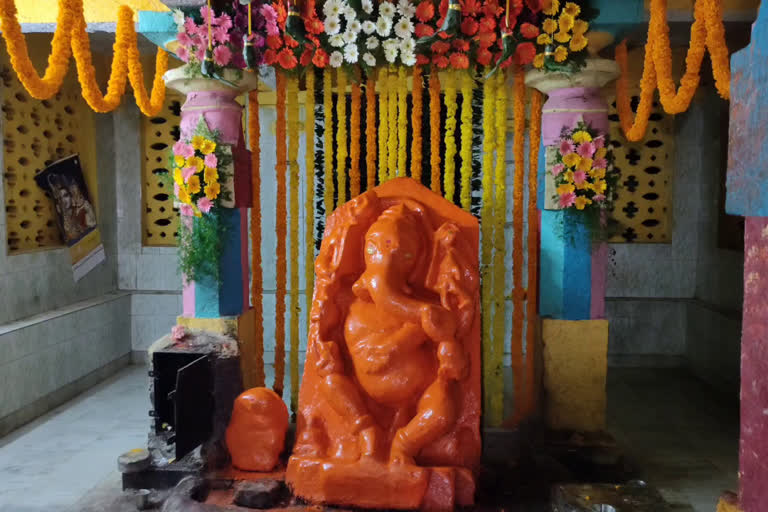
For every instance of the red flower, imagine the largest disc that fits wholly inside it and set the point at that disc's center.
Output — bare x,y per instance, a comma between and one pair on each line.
469,26
484,57
270,56
286,59
460,45
441,61
470,8
306,57
491,8
534,5
487,24
290,42
529,31
485,39
282,14
423,30
459,61
440,47
320,59
425,11
442,10
422,60
314,26
274,42
525,53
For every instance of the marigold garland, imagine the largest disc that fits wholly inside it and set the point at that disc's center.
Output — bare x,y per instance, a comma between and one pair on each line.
392,89
467,82
341,135
434,130
383,123
354,141
449,176
71,39
293,161
634,129
416,114
280,231
370,133
257,279
402,120
328,190
309,204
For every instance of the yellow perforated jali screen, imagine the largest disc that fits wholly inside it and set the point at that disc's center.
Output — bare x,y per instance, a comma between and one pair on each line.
159,218
35,134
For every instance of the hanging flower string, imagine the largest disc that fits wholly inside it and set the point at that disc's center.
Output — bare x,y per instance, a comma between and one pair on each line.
402,120
383,84
309,202
370,133
328,191
257,283
449,176
354,141
392,89
416,115
292,103
280,231
434,130
466,140
341,135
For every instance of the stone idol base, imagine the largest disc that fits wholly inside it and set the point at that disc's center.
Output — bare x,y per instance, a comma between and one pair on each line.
373,484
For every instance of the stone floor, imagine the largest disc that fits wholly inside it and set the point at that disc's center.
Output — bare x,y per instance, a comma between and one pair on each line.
684,441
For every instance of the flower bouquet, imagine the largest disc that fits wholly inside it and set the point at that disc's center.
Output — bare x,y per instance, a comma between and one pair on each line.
296,49
562,43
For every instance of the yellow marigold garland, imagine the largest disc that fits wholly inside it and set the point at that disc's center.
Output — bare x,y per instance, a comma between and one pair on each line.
402,120
465,193
392,89
449,175
341,135
293,161
280,231
354,141
328,146
434,130
309,204
416,113
486,227
370,133
383,123
257,279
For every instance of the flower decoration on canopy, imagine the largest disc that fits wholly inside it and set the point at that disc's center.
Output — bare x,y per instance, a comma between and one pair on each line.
292,48
562,42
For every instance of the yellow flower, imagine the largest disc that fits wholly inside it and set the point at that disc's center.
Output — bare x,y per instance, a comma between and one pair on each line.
572,9
571,160
208,147
544,39
210,175
561,53
578,43
538,61
566,22
565,189
198,141
554,6
597,173
196,211
585,165
549,26
194,184
601,153
178,161
183,196
177,177
212,190
581,136
599,186
568,176
196,162
581,202
580,27
585,185
562,37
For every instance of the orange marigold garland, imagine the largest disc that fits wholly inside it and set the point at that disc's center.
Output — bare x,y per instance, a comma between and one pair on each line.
280,231
328,189
341,135
257,278
293,161
434,130
309,204
416,113
370,133
718,50
354,141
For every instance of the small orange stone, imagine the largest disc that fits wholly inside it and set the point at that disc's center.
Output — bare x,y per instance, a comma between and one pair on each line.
256,432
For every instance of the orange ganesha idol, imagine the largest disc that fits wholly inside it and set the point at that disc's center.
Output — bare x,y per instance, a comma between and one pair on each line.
389,408
256,433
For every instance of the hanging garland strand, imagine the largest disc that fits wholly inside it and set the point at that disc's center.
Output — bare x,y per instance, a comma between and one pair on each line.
417,112
449,183
293,161
392,89
328,149
341,135
370,133
309,201
280,231
402,120
465,193
257,279
434,130
71,39
383,123
532,298
354,141
486,227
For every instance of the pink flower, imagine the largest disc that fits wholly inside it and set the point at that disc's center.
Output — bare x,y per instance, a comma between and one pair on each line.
224,22
204,204
220,35
200,53
272,29
207,14
567,200
586,150
176,189
182,52
599,142
557,169
178,332
197,41
566,147
257,40
598,198
222,55
211,160
190,27
182,149
268,12
184,39
186,210
188,172
600,163
579,177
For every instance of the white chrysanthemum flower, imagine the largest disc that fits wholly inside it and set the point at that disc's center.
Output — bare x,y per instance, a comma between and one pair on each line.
354,26
387,10
337,59
350,13
383,26
372,43
332,25
369,59
336,40
350,37
333,8
368,6
406,8
404,28
369,27
391,44
391,55
408,57
408,45
178,19
350,53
